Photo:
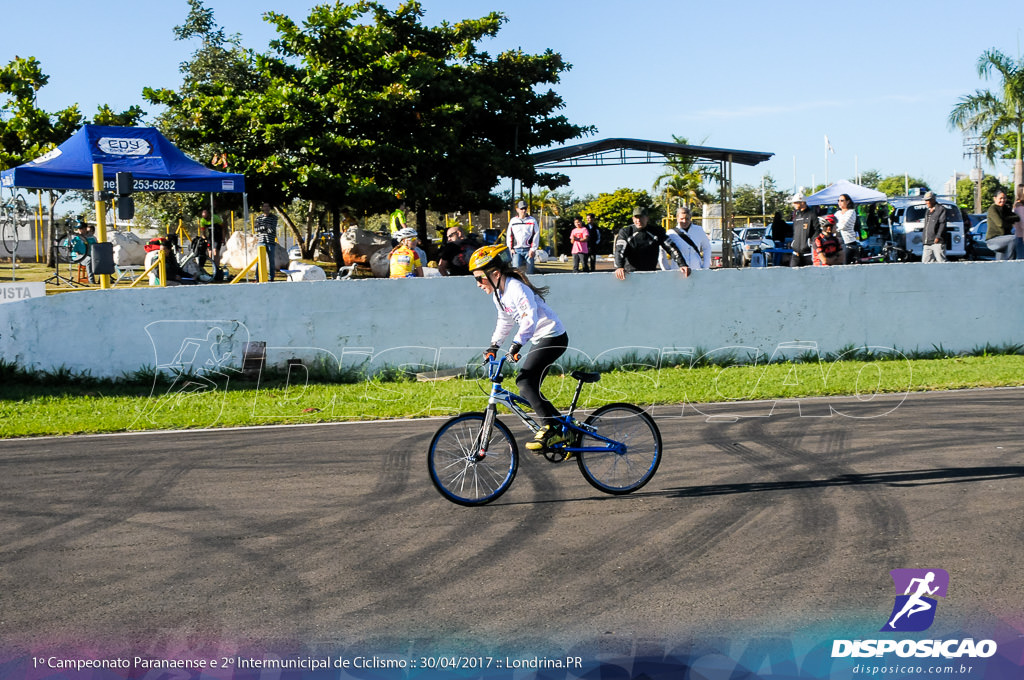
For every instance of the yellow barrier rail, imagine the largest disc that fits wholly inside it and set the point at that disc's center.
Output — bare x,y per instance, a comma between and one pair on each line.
160,262
262,264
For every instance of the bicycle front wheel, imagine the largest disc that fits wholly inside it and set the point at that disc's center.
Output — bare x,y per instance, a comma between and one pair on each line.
628,463
205,268
456,467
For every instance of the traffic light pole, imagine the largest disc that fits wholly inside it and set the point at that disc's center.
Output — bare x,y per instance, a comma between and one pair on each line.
101,214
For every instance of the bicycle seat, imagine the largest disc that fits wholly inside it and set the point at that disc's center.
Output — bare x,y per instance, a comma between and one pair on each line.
585,377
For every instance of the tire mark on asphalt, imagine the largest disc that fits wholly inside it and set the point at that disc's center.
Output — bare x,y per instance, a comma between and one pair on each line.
403,462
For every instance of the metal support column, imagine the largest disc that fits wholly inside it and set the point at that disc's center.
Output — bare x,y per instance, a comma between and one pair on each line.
725,168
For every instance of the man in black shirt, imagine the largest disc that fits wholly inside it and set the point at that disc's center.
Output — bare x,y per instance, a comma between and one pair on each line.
453,259
933,248
805,227
595,238
636,247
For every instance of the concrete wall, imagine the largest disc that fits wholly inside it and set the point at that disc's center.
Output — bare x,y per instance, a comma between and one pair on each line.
447,321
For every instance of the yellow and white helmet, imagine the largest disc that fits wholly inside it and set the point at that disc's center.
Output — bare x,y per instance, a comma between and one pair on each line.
490,257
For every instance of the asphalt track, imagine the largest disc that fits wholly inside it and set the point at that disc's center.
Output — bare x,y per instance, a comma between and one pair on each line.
777,520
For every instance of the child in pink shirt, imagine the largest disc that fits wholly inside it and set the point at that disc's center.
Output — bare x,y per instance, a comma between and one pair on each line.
579,236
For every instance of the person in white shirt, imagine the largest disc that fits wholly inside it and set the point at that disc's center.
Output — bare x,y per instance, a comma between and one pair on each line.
523,238
846,225
520,302
699,258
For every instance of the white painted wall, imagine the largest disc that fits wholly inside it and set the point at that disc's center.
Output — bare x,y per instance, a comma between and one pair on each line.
447,321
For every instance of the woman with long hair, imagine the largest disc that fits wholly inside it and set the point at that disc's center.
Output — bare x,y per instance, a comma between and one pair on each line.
520,302
846,226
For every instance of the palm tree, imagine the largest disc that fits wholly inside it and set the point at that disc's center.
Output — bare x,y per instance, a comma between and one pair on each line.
990,116
682,189
683,180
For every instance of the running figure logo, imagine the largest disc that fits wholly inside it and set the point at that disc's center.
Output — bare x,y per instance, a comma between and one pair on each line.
914,610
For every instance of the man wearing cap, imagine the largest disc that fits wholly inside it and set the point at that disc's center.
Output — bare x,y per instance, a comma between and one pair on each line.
805,226
523,238
638,246
932,247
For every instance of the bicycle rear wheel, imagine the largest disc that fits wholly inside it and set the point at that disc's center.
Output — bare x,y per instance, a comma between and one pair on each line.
627,469
454,468
9,235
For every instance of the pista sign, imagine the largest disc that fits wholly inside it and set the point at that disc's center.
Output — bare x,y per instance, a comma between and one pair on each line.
13,292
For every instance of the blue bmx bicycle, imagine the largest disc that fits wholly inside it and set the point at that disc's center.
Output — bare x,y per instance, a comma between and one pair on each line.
473,457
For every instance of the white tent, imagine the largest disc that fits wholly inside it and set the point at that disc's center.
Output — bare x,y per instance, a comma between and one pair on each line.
830,194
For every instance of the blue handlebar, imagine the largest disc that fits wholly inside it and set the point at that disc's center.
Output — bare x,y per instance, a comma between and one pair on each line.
494,366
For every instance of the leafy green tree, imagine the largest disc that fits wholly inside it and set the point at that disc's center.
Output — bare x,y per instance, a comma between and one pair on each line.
363,114
994,114
896,185
869,179
747,199
27,132
219,64
965,192
614,211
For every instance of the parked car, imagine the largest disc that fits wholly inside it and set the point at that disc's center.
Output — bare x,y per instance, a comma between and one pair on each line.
715,236
908,214
976,219
782,239
750,240
977,250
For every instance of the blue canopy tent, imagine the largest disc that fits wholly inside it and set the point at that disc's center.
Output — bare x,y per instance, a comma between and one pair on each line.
155,163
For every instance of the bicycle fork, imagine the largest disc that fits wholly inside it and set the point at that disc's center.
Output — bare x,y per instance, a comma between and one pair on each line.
484,440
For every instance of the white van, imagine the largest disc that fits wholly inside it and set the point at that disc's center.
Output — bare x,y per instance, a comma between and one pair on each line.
907,221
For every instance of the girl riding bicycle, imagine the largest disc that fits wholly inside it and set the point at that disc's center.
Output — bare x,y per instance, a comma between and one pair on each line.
520,302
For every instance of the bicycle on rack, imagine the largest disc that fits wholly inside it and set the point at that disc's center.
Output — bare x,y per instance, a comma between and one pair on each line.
890,252
72,247
473,458
14,216
199,260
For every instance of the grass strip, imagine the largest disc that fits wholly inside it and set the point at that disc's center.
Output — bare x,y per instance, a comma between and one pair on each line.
61,404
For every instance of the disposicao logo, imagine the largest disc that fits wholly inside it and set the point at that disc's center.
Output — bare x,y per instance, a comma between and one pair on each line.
914,609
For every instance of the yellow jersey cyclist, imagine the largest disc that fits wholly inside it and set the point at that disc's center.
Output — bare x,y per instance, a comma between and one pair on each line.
404,261
521,303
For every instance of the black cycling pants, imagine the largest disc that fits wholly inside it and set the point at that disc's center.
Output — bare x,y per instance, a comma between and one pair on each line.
543,353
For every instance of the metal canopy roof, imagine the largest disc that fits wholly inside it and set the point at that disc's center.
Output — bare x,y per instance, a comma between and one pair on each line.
621,151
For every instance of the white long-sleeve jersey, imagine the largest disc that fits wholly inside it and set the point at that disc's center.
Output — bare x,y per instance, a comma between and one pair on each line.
523,232
694,260
520,305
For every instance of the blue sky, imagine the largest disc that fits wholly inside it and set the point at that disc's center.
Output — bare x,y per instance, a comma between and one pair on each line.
878,78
